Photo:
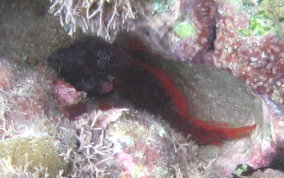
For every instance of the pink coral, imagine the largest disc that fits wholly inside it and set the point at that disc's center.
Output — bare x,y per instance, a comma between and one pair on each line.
258,60
260,157
126,161
65,93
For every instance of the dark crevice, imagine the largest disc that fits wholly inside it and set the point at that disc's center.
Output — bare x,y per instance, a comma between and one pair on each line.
213,38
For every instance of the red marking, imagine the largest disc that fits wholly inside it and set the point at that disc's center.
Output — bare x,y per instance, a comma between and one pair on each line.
204,132
216,134
179,101
137,46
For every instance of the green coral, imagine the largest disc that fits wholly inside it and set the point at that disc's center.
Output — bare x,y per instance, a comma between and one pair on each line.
184,29
259,25
32,154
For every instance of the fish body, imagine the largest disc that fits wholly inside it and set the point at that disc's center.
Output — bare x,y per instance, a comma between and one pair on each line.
202,131
91,64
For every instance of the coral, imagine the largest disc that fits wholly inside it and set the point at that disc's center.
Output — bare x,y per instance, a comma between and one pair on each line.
144,147
24,92
65,93
102,17
70,101
158,32
32,154
26,98
259,25
273,9
258,60
184,30
159,22
29,145
94,154
48,133
202,15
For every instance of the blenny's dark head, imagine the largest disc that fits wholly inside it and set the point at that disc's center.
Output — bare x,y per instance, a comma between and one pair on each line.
90,64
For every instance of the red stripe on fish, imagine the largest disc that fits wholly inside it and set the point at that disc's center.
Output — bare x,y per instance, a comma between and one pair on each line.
203,132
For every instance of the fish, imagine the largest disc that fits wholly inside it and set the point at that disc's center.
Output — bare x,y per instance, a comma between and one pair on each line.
90,64
204,132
